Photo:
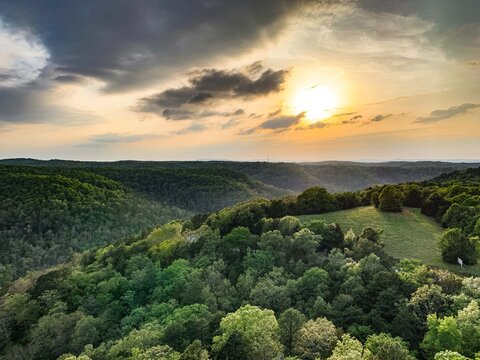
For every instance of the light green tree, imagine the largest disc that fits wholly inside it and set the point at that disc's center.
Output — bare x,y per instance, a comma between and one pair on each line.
386,347
316,339
253,329
449,355
349,348
290,321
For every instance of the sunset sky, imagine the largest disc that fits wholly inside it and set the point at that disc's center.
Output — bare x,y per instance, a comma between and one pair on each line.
294,80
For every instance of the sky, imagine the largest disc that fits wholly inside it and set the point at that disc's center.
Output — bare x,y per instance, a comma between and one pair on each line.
285,80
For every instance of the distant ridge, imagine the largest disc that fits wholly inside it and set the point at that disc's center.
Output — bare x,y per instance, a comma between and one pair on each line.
334,175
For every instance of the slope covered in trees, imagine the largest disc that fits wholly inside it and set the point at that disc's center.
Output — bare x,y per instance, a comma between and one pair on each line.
47,213
283,290
252,282
333,175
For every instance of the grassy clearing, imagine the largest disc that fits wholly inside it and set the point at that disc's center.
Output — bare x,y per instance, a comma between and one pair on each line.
408,234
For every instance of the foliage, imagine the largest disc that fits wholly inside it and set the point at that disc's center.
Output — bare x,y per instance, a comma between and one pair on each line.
316,339
390,199
258,330
236,287
47,214
454,245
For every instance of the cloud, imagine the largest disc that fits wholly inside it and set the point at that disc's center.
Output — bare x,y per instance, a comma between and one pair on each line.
344,114
184,114
275,113
177,114
131,43
208,85
22,57
230,124
352,120
380,117
278,124
237,84
110,138
67,79
27,104
438,115
194,128
113,138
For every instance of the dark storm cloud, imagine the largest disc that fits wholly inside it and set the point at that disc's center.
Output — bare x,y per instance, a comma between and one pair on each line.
201,97
177,114
210,84
236,83
127,43
184,114
168,98
438,115
457,23
29,104
67,79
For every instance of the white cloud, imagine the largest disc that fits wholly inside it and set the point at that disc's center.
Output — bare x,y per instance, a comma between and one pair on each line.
22,57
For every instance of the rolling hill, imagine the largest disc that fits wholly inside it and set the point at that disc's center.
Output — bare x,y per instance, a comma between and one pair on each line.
408,234
335,176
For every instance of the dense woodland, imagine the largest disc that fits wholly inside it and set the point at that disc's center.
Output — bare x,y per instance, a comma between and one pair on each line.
47,213
45,216
50,209
335,176
252,282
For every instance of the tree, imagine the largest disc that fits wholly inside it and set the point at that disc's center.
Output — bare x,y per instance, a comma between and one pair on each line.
290,322
443,334
332,234
374,197
250,330
390,199
315,200
449,355
349,348
195,351
386,347
163,352
316,339
460,333
454,244
413,196
187,324
288,225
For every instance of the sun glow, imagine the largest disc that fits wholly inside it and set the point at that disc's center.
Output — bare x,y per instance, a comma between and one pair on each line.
318,103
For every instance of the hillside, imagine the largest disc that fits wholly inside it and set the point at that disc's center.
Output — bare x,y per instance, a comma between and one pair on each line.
254,282
45,216
408,234
48,213
181,294
333,175
467,175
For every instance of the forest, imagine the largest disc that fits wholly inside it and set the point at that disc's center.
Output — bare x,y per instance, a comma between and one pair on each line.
335,176
48,213
253,282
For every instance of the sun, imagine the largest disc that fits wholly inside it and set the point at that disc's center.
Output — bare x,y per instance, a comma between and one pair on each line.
318,103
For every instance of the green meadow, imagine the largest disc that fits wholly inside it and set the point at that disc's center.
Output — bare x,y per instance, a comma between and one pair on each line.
408,234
